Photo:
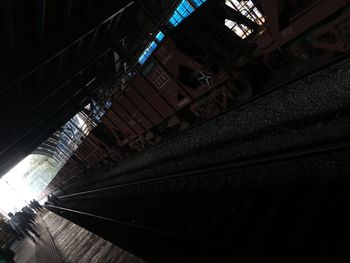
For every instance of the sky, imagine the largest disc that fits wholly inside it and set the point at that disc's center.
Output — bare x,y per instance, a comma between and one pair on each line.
14,191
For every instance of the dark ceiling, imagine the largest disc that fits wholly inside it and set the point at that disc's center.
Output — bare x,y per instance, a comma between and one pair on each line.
51,52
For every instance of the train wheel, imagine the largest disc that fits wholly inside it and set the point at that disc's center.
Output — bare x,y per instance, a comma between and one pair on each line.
300,50
244,88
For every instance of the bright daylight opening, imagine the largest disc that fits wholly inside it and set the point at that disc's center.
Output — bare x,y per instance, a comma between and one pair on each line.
183,10
248,9
25,181
28,179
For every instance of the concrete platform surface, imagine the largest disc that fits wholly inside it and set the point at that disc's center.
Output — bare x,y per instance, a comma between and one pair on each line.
62,241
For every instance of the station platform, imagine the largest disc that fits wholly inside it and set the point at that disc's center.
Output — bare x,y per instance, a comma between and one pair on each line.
63,241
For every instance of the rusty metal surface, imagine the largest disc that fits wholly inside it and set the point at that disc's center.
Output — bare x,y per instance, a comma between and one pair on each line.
268,42
333,35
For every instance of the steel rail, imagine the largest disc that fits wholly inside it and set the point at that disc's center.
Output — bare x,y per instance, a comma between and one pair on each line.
143,227
334,62
208,170
267,91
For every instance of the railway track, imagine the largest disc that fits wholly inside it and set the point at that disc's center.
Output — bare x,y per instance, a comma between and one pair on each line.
264,208
284,206
265,92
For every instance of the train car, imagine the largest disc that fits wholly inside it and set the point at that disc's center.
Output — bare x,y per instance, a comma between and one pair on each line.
72,168
192,75
197,68
94,152
170,92
302,29
210,91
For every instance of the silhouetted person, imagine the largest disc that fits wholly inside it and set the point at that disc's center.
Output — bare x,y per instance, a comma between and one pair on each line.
16,224
37,205
28,210
19,223
29,217
11,231
26,223
32,206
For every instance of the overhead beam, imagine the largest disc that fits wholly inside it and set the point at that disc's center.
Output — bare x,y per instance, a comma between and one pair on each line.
6,17
5,86
115,23
40,79
46,148
48,144
238,17
147,10
51,101
43,152
77,52
89,4
41,20
50,112
67,10
270,9
38,134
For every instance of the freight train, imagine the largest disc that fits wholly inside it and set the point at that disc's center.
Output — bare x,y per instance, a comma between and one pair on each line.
219,56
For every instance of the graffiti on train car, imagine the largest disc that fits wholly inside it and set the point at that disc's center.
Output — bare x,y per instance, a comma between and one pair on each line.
196,67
